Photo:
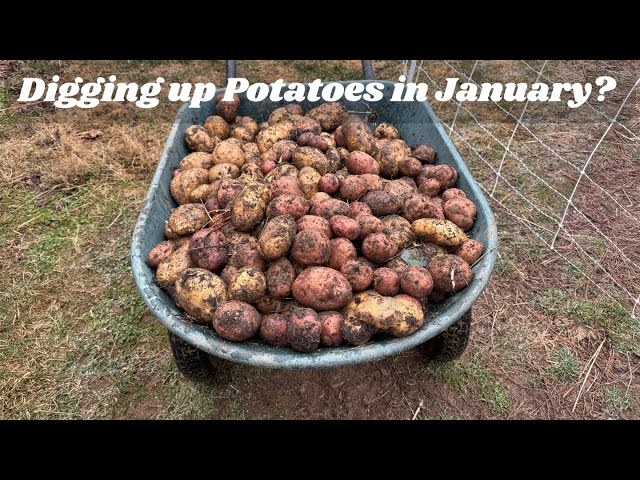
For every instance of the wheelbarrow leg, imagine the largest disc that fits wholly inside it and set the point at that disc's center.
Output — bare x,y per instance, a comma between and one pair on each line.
451,343
194,364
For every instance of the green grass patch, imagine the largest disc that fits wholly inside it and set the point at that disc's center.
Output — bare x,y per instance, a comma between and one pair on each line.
617,399
565,365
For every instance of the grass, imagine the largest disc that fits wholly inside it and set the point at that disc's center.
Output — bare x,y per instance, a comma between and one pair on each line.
564,367
617,399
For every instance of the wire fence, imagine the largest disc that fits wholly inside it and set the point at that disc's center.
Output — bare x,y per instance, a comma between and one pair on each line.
570,177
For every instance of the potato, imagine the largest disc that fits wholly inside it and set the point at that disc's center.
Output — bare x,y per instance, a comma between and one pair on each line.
416,282
281,171
421,206
196,160
282,151
342,174
228,151
309,178
470,251
322,289
171,267
223,171
217,126
359,208
305,124
329,183
319,197
250,173
398,265
199,293
187,219
329,115
386,282
398,229
227,273
311,247
168,233
251,152
378,248
327,137
402,188
341,251
451,193
440,232
160,252
429,250
304,330
358,163
386,130
309,222
358,135
437,297
182,185
329,208
227,109
250,206
278,115
340,141
335,161
286,185
390,156
396,316
382,203
429,187
310,157
269,136
354,187
358,273
450,273
280,276
444,174
312,140
331,335
369,224
247,285
228,191
424,153
246,255
410,166
236,321
345,227
356,332
198,139
460,211
277,236
208,249
244,129
288,204
200,194
273,329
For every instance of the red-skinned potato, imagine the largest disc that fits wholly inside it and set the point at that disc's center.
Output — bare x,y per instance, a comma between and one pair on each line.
228,191
329,208
470,251
311,247
378,248
341,251
339,138
424,153
429,187
451,193
273,329
280,276
227,273
310,222
460,211
369,224
288,204
402,188
359,208
236,321
344,226
421,206
286,184
353,187
358,273
450,273
322,288
160,252
386,281
381,203
356,332
304,330
398,265
410,166
227,109
358,163
329,183
416,282
247,255
208,249
312,140
331,335
444,174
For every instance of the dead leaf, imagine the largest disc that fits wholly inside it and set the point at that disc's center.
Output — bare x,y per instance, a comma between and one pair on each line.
90,134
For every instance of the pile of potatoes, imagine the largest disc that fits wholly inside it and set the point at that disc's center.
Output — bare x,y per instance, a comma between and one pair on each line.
291,230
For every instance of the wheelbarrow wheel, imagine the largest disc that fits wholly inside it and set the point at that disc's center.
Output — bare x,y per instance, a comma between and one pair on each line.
194,364
451,343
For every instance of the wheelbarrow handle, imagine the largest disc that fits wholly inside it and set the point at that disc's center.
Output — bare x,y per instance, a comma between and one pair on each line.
367,70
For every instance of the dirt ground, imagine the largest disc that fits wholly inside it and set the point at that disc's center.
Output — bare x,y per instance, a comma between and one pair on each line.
550,340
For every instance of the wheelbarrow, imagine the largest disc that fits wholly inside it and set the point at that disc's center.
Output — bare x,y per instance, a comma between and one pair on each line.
197,350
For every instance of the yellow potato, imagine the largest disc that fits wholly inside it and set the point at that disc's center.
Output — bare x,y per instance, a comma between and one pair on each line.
196,160
251,173
398,316
199,293
170,268
277,236
270,135
217,126
440,232
223,171
229,151
183,184
247,285
188,219
309,178
310,157
250,206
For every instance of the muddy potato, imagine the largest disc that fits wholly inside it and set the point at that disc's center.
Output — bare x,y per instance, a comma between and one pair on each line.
342,174
460,211
328,137
398,229
168,233
378,248
251,152
312,140
227,109
198,139
390,157
319,197
280,276
329,183
310,157
375,182
398,265
305,124
249,207
416,282
236,321
440,232
358,273
200,194
429,187
358,162
358,135
281,171
311,247
386,281
245,129
228,191
343,153
355,332
470,251
196,160
277,236
369,224
227,273
228,151
269,136
451,193
250,173
286,185
311,222
282,151
223,171
187,219
354,187
171,267
217,126
410,166
273,329
341,252
424,153
359,208
183,184
278,115
331,322
208,249
381,203
304,330
386,130
450,273
288,204
396,316
247,285
444,174
401,188
421,206
309,178
344,226
322,289
338,136
329,115
199,293
160,252
246,255
335,162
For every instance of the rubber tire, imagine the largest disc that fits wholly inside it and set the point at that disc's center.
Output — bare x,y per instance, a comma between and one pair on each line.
194,364
451,344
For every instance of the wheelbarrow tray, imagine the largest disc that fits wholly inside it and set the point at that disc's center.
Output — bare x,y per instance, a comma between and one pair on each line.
417,124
